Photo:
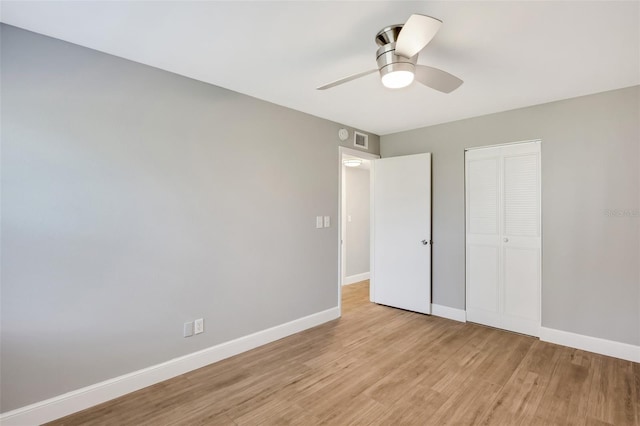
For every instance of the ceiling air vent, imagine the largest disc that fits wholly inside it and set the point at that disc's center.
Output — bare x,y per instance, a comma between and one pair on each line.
360,140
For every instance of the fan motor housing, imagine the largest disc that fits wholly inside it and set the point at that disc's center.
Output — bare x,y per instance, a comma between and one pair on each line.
386,58
388,61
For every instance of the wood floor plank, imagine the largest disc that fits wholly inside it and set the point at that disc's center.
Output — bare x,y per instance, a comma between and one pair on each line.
613,377
416,406
521,395
383,366
277,412
569,385
468,404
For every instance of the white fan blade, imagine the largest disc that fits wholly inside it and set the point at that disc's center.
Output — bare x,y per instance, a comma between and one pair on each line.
437,79
346,79
415,34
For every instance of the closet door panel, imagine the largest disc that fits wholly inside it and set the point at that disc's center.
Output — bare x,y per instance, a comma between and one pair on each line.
483,238
521,285
483,301
521,238
521,195
482,196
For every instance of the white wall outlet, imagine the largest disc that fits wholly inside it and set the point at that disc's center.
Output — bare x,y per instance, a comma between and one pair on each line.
327,221
198,326
318,221
188,329
349,218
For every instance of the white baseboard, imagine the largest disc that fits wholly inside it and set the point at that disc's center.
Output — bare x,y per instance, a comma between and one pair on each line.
591,344
447,312
352,279
80,399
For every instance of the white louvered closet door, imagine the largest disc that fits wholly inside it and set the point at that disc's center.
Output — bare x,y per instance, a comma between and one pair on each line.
503,270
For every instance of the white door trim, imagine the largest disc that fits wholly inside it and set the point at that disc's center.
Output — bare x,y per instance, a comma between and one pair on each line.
344,151
504,144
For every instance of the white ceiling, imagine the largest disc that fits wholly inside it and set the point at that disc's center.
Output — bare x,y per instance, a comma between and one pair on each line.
509,53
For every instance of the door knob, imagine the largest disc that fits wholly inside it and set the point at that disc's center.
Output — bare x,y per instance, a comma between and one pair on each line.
425,242
506,240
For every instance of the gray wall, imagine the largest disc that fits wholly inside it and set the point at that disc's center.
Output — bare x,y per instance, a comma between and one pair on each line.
357,206
134,200
590,163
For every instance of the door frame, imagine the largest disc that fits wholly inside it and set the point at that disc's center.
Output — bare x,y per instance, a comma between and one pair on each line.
344,152
466,211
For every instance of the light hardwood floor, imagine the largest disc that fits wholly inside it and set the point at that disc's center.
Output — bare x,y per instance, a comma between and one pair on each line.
383,366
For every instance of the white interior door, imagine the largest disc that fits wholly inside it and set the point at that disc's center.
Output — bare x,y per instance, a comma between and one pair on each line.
503,256
401,232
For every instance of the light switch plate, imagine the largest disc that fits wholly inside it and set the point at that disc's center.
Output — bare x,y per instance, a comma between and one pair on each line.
188,329
327,221
318,221
198,326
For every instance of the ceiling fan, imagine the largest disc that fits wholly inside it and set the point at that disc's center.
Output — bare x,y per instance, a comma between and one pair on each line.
397,57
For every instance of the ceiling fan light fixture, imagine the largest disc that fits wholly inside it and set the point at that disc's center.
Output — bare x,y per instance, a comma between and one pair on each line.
397,79
397,75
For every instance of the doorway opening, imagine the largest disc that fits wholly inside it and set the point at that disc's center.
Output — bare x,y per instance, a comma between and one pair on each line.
354,219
